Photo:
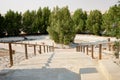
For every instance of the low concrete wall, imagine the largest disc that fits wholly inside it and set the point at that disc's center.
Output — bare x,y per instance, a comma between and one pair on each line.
109,69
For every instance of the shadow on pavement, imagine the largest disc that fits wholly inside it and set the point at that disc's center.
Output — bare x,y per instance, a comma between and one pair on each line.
88,70
41,74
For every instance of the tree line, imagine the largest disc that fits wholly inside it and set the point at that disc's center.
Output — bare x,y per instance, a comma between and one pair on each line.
60,23
30,22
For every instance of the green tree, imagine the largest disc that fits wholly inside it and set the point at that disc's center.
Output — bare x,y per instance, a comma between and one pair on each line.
94,22
38,22
28,22
13,23
61,28
45,20
2,29
111,21
79,17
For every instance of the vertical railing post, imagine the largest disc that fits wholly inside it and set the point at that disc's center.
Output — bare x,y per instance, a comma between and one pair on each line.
52,48
44,48
92,51
100,51
40,49
76,48
47,48
87,49
10,53
26,53
84,48
113,47
34,50
109,44
81,48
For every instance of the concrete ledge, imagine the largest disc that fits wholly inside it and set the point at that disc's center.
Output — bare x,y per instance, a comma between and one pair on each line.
109,69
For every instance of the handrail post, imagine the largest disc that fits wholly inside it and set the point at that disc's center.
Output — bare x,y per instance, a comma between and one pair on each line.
44,48
100,51
92,49
40,49
52,49
87,49
10,53
84,48
35,50
26,53
47,48
109,44
76,48
81,48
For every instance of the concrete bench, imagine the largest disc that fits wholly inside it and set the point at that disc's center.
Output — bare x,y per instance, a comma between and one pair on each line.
110,70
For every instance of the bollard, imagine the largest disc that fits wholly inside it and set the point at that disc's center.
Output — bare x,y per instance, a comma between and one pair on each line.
92,53
10,53
35,50
100,51
26,53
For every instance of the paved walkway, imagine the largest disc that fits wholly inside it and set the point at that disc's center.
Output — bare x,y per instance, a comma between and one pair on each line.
60,65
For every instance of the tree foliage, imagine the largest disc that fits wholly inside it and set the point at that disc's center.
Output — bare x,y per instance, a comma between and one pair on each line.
12,23
61,28
79,17
111,21
60,23
28,22
2,30
94,22
36,22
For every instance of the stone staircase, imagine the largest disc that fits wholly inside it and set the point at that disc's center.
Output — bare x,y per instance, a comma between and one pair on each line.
58,65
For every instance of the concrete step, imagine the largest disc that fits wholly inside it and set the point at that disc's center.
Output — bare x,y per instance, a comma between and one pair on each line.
54,66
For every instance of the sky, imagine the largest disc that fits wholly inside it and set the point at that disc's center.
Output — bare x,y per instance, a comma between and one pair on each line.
23,5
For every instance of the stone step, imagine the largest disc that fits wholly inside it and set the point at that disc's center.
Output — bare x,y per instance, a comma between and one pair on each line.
53,66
